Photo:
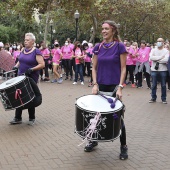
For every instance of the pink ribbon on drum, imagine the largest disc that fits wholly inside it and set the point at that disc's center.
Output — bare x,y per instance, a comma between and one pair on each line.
91,127
17,95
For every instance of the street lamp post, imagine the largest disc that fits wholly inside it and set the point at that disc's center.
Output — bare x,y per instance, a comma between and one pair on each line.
51,26
76,16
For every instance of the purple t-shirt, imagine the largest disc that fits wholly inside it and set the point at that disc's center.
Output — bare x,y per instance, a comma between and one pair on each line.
29,61
109,67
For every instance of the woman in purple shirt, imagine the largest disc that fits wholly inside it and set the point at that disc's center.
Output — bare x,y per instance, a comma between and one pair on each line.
109,71
30,62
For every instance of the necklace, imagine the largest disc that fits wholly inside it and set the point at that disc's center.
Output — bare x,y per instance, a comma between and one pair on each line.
108,45
27,50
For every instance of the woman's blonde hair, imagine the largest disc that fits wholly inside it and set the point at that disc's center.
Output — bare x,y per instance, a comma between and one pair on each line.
135,44
116,36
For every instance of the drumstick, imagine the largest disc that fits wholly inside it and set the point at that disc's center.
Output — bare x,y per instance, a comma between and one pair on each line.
108,99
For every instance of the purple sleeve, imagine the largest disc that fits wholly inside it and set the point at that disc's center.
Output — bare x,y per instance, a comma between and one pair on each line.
122,48
38,52
96,49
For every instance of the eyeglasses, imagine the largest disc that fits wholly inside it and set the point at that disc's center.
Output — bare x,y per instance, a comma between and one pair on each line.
159,41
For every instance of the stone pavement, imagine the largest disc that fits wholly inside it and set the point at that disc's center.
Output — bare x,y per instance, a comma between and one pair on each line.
52,144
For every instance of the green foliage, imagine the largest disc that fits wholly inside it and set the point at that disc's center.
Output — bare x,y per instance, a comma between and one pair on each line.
8,34
136,17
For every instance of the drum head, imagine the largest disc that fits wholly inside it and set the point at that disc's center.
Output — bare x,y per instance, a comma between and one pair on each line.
11,82
96,103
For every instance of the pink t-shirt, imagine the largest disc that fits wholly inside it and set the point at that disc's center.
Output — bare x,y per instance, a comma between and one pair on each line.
71,46
77,53
133,51
67,52
87,58
45,53
57,55
143,54
16,54
53,51
129,59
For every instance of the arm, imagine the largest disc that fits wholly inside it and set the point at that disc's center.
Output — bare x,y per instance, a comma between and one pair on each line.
122,75
95,88
17,64
153,57
41,63
165,58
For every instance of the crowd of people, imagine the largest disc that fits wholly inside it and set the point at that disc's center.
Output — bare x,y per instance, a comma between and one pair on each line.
77,58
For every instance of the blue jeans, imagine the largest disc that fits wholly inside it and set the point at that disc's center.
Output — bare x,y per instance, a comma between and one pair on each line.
162,76
79,70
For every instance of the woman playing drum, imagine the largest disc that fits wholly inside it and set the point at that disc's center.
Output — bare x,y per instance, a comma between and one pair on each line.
109,70
30,62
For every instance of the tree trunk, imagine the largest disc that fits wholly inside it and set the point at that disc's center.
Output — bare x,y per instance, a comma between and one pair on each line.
46,26
93,32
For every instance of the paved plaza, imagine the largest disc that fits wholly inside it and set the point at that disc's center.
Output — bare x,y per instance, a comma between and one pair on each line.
51,143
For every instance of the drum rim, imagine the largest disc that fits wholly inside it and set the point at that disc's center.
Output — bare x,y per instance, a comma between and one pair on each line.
109,112
98,111
13,84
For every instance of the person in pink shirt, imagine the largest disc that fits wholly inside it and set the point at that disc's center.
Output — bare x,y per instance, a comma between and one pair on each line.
142,65
56,63
67,52
87,58
129,64
134,50
79,60
16,53
46,55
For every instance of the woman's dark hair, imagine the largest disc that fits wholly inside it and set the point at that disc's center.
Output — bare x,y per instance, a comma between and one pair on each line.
143,42
56,45
113,24
85,45
76,45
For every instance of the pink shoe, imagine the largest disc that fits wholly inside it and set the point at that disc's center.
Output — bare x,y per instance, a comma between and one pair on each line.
133,86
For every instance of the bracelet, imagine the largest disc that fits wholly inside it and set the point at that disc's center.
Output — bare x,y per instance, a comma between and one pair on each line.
120,85
95,84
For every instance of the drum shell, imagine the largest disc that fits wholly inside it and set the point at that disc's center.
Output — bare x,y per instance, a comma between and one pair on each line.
25,97
109,128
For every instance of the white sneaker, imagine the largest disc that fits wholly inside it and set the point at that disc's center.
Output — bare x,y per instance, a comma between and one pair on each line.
75,83
82,83
31,122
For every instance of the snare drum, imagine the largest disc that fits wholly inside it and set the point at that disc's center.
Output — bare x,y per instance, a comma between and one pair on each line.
109,127
16,92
